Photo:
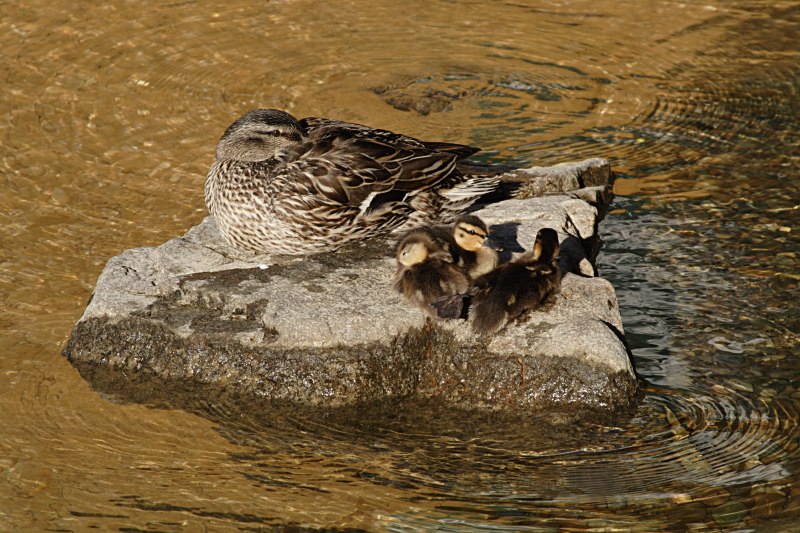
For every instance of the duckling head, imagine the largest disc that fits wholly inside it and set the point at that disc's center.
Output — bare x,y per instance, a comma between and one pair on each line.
469,232
545,249
413,252
417,247
258,135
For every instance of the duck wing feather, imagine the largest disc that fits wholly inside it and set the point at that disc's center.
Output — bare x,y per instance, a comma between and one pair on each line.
380,161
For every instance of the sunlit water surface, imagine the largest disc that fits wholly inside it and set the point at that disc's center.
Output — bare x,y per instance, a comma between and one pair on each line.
109,120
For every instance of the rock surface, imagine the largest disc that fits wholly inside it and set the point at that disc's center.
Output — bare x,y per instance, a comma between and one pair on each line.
329,330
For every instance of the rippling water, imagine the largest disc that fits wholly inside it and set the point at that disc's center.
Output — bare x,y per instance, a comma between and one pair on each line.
108,126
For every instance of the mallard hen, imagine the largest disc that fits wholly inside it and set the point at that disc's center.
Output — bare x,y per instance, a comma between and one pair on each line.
288,186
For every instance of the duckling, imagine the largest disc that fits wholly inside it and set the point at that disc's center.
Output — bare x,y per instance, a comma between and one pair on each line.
425,270
472,254
516,287
466,239
288,186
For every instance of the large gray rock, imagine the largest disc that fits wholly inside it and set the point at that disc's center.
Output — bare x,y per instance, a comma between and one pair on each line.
329,330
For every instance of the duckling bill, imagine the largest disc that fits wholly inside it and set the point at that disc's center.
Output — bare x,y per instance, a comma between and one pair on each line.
516,287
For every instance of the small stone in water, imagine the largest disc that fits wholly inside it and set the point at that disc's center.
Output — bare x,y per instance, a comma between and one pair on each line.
752,463
724,345
729,513
765,227
714,497
690,513
60,196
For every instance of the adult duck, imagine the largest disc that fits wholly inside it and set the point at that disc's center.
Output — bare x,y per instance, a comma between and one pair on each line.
287,186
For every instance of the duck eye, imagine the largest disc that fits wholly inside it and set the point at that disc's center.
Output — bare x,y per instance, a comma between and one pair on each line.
273,133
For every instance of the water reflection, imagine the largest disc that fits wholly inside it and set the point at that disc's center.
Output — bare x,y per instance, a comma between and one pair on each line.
700,453
111,116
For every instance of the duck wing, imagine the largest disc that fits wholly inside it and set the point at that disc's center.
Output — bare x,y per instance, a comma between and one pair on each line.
461,150
319,197
453,306
492,299
376,166
313,125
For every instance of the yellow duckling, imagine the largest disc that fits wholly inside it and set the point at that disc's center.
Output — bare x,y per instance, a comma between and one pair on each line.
465,240
516,287
472,255
426,271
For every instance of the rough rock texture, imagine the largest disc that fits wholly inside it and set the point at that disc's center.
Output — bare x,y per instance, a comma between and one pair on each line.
328,329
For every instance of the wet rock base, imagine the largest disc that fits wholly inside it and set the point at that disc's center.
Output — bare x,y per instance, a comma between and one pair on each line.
327,331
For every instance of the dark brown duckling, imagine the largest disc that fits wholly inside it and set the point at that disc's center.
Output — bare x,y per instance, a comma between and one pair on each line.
516,287
425,270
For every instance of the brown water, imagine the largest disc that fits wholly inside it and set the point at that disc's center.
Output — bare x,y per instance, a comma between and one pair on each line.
109,121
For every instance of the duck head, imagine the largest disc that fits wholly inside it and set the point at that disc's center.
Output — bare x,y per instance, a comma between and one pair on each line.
258,135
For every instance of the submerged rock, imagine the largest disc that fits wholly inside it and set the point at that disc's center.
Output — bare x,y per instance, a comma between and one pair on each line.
329,330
